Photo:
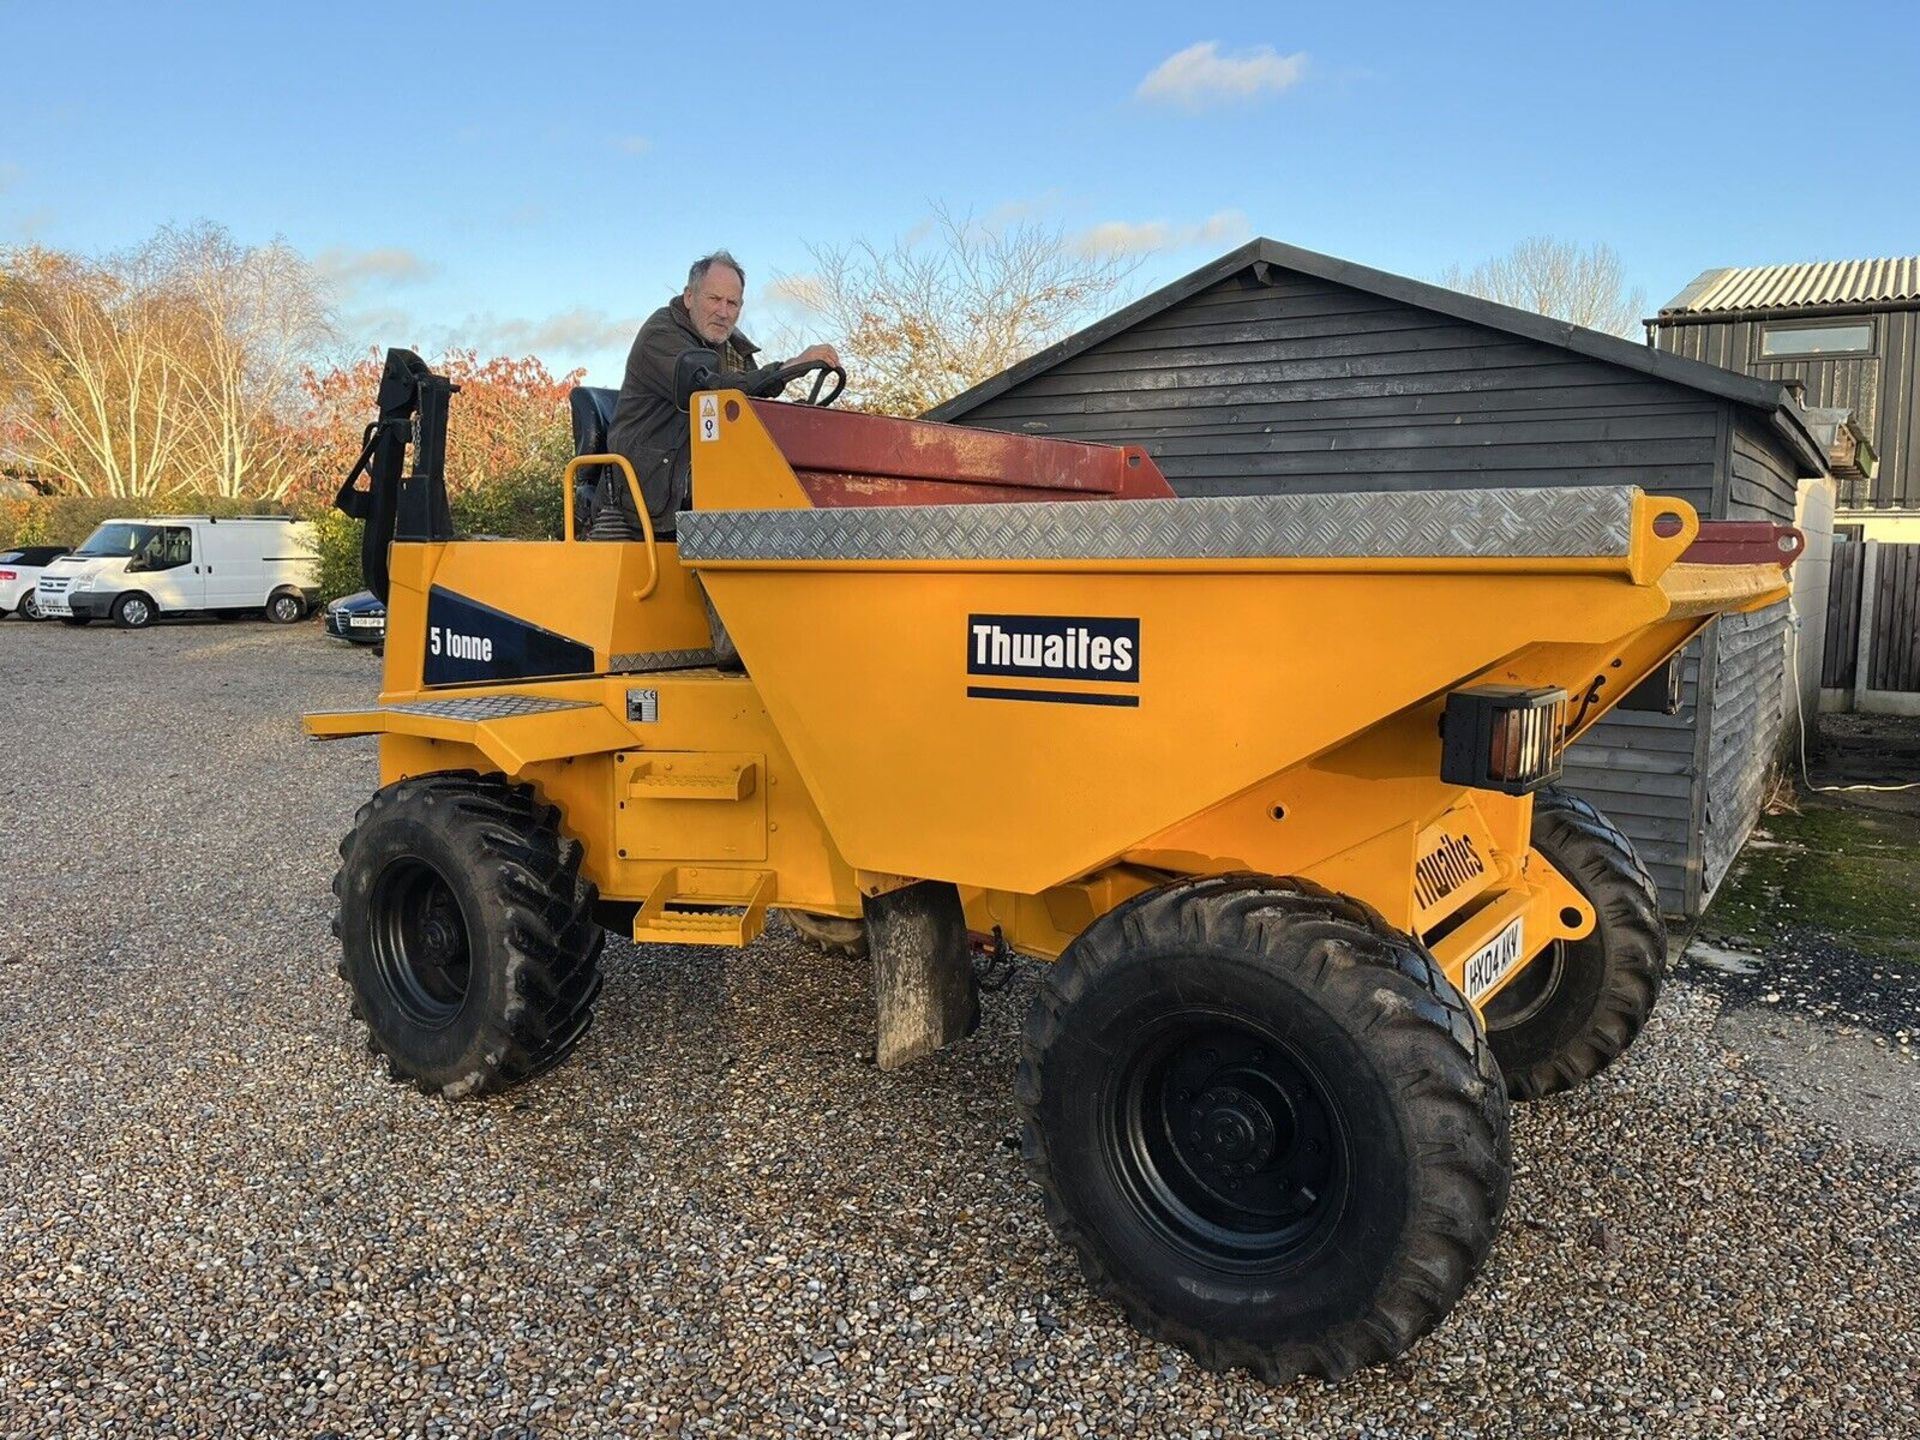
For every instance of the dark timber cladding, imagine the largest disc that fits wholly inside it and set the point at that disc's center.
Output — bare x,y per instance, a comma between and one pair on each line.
1279,369
1860,320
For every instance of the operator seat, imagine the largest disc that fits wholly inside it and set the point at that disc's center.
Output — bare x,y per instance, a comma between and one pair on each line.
592,417
592,408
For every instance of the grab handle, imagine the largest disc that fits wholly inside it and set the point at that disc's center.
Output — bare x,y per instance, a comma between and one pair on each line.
639,506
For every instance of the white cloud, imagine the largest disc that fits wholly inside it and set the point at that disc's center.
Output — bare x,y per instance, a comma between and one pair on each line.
633,144
570,333
801,292
352,271
1016,212
1200,75
1121,237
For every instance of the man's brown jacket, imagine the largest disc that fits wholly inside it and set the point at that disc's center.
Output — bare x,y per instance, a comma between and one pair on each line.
648,428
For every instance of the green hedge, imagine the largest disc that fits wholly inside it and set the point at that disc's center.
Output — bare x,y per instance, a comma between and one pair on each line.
524,505
69,519
339,542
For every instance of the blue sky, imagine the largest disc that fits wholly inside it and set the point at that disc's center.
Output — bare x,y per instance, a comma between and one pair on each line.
536,180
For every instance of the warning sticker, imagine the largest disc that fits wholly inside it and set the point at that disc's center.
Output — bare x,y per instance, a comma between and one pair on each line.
709,417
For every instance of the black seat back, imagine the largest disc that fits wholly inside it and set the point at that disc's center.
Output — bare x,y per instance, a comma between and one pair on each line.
592,420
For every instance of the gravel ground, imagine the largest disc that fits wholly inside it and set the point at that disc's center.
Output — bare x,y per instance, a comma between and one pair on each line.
217,1219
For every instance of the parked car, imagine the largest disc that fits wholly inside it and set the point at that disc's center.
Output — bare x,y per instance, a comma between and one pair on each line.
361,618
19,574
134,571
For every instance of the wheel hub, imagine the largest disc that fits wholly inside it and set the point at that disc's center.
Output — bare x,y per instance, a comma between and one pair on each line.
1233,1131
420,942
439,938
1235,1147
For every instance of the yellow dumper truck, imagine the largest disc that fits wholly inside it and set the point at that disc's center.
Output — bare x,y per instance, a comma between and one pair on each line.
1270,778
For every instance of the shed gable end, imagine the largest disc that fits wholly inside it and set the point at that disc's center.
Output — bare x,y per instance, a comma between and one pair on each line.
1295,382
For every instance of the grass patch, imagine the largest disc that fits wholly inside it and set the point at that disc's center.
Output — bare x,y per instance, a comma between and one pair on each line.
1843,873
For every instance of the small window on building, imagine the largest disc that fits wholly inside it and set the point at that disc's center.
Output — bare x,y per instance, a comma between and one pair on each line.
1849,337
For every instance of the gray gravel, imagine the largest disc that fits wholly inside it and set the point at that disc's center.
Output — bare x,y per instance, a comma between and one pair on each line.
217,1219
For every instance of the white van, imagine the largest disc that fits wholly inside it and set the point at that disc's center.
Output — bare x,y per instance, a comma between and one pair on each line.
134,571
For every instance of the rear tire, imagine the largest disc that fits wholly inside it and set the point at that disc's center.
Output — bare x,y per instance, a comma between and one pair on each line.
1267,1123
835,934
134,611
1575,1009
467,935
285,608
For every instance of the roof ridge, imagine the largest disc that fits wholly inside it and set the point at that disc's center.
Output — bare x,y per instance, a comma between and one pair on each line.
1527,324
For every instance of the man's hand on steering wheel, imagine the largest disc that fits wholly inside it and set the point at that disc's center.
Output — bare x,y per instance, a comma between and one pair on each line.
823,363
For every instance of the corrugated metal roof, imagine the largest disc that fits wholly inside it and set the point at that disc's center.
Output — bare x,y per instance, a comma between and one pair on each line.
1825,282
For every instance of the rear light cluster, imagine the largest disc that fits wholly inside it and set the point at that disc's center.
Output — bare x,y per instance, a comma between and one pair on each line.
8,575
1497,737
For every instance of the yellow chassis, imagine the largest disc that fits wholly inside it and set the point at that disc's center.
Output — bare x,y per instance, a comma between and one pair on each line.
1288,723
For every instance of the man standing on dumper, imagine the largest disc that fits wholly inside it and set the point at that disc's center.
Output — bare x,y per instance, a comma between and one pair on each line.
648,427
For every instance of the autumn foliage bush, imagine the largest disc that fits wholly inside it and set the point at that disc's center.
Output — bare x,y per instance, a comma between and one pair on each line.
508,439
509,416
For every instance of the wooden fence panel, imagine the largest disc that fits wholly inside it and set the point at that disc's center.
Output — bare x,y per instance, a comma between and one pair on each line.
1895,655
1843,616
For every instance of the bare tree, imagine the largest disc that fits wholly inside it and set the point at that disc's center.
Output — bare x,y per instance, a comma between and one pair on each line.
1557,278
933,314
175,366
257,315
89,353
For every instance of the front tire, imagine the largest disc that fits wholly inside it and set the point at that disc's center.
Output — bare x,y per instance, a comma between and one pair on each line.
1269,1126
30,607
1575,1009
285,608
134,612
467,935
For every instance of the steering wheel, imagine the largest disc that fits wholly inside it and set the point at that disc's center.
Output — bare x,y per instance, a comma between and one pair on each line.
821,371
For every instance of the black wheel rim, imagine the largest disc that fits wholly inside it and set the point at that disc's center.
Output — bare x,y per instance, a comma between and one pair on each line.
1230,1144
421,945
1529,992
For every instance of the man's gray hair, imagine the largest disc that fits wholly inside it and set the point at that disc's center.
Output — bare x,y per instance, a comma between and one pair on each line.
698,271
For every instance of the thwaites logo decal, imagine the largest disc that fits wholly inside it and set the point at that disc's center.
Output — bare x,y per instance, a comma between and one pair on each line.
469,643
1054,647
1444,869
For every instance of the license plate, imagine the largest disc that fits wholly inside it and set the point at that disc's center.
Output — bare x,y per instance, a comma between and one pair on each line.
1489,965
366,622
55,608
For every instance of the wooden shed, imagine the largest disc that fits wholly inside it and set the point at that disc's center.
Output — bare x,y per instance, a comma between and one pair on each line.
1848,331
1275,368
